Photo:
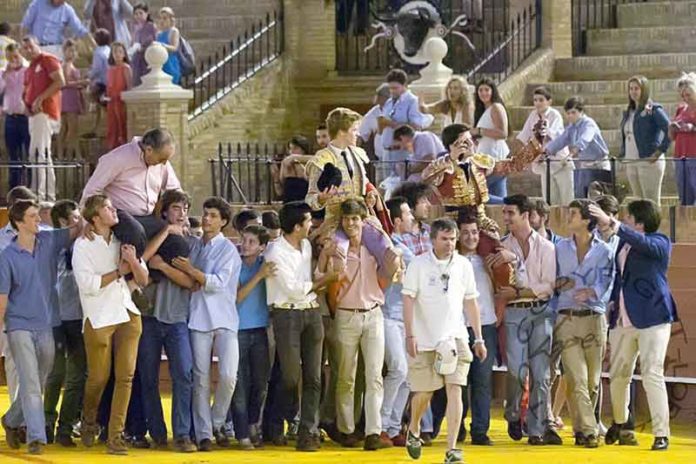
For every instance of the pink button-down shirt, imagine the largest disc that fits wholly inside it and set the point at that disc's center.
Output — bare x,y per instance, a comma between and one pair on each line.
538,271
130,184
12,83
360,289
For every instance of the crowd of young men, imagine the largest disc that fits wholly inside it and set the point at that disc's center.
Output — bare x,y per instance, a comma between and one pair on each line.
122,275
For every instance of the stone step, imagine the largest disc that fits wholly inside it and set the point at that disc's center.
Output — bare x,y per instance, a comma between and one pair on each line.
607,116
617,67
604,92
674,13
640,40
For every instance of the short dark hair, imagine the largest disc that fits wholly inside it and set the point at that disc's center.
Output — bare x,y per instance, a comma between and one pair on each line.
169,197
302,142
102,37
222,206
397,75
61,210
194,222
292,214
68,43
353,206
403,130
609,204
20,192
243,217
467,215
412,192
259,231
394,207
574,103
541,207
442,225
646,212
321,126
583,205
543,91
91,207
157,138
451,133
19,208
521,201
270,220
5,28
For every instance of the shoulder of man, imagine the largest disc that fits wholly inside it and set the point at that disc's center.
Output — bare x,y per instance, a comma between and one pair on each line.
320,158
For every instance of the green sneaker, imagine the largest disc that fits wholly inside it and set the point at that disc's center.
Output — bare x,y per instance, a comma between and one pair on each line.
413,445
454,456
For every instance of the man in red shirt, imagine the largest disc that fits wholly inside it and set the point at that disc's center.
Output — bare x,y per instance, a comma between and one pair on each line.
42,83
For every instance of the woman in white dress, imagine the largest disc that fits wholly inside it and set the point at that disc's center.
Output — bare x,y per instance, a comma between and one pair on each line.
456,106
491,121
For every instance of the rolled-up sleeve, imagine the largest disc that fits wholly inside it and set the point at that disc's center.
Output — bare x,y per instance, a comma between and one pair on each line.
88,281
287,279
226,272
415,117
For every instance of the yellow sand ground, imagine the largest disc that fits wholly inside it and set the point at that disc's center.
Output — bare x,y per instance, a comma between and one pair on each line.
682,451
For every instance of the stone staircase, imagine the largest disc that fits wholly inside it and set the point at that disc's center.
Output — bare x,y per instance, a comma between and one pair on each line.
656,39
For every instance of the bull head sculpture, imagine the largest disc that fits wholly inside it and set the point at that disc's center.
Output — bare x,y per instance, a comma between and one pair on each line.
412,26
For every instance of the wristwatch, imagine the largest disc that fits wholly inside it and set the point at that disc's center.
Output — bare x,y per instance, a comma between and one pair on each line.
480,341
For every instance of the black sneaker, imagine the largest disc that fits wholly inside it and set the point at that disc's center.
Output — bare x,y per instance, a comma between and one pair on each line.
660,444
580,439
535,440
65,441
612,435
592,442
515,430
481,440
551,437
205,445
348,440
139,442
11,435
414,445
222,440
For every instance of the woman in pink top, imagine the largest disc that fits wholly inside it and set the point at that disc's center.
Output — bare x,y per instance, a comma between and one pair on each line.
72,105
16,120
682,130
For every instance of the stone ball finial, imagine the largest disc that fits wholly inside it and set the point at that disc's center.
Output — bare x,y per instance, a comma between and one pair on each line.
435,49
156,55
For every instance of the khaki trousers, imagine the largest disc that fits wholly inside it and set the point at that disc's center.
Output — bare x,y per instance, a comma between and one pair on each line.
583,341
123,340
627,343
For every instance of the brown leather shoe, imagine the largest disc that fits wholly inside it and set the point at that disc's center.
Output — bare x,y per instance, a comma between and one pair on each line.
117,445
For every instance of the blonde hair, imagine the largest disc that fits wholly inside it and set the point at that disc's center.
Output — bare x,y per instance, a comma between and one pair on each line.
642,82
341,119
687,80
444,106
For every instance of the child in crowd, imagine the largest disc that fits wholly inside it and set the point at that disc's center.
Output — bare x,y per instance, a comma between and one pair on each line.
5,40
119,78
254,360
73,103
98,73
144,33
16,120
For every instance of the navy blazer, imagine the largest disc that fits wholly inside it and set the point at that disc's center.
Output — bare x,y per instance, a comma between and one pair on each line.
649,130
646,292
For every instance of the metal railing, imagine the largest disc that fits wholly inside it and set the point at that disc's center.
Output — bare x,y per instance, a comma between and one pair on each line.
235,63
503,33
593,14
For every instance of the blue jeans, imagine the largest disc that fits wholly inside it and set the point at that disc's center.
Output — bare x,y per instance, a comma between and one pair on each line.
224,343
686,180
33,353
177,345
17,142
528,349
497,189
395,385
480,383
252,380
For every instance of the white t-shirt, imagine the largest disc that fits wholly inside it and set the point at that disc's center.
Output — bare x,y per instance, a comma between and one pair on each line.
440,288
484,285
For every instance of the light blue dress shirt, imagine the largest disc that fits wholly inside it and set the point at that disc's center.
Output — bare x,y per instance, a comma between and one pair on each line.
403,110
48,23
214,306
595,271
100,64
583,135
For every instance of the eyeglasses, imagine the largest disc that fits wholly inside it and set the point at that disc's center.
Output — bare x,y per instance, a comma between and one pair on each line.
445,278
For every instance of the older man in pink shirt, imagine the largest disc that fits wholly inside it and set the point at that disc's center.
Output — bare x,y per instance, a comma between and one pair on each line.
133,176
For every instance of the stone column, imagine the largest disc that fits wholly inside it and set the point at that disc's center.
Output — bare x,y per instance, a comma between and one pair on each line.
557,27
157,102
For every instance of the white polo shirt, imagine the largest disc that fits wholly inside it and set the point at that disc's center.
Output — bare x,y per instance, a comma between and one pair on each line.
439,288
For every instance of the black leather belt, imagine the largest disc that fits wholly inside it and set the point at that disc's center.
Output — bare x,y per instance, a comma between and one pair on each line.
527,304
577,312
360,310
